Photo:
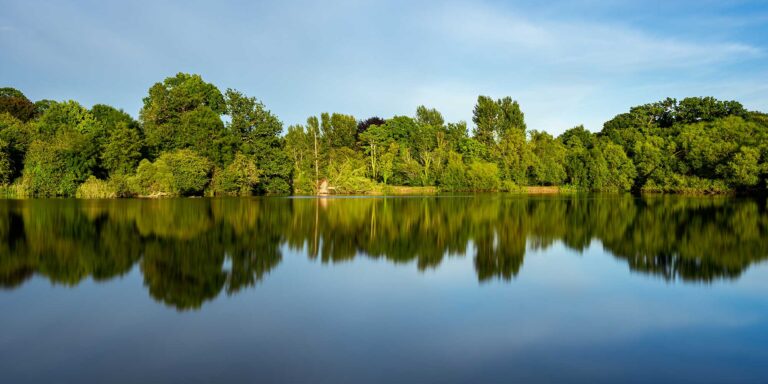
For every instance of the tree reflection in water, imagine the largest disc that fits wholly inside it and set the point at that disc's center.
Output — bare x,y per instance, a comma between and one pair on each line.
190,250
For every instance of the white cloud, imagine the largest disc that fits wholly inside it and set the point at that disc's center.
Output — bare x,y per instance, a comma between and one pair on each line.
598,46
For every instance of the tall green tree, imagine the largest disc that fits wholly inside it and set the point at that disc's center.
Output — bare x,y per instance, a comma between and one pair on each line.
338,130
184,111
429,116
486,117
258,131
376,141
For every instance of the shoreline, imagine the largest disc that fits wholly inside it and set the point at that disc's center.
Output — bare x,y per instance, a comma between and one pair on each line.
401,190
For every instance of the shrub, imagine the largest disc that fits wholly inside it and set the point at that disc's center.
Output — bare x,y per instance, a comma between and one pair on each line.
303,182
406,170
46,172
238,178
483,176
275,186
453,176
13,190
348,176
121,185
94,188
686,185
510,186
190,172
152,179
181,172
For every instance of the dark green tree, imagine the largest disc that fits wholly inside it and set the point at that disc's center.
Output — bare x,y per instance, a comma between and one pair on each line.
14,102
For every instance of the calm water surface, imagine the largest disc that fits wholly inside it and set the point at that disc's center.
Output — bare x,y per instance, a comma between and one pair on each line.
487,288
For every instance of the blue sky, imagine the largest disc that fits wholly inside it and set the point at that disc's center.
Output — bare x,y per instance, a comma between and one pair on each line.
567,63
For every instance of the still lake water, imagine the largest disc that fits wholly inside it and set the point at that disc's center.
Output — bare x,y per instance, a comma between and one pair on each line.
485,288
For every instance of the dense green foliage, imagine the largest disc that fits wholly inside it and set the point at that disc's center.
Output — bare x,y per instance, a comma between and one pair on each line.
181,145
239,178
696,144
193,139
191,250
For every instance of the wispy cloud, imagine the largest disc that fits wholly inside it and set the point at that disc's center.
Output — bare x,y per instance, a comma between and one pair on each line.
598,45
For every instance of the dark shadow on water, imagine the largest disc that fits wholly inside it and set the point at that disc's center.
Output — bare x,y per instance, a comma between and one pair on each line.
191,250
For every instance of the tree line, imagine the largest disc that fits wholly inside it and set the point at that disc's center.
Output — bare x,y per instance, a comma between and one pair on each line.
193,139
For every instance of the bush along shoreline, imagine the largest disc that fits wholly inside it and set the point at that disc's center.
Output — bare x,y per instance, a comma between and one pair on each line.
192,139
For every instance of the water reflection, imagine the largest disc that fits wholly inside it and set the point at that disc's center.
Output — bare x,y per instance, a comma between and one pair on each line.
191,250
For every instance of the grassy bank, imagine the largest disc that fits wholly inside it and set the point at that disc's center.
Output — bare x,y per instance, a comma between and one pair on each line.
404,190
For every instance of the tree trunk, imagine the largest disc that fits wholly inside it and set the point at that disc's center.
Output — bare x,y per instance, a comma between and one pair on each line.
317,166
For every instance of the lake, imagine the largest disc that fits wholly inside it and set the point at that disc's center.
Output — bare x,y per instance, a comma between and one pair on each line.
475,288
